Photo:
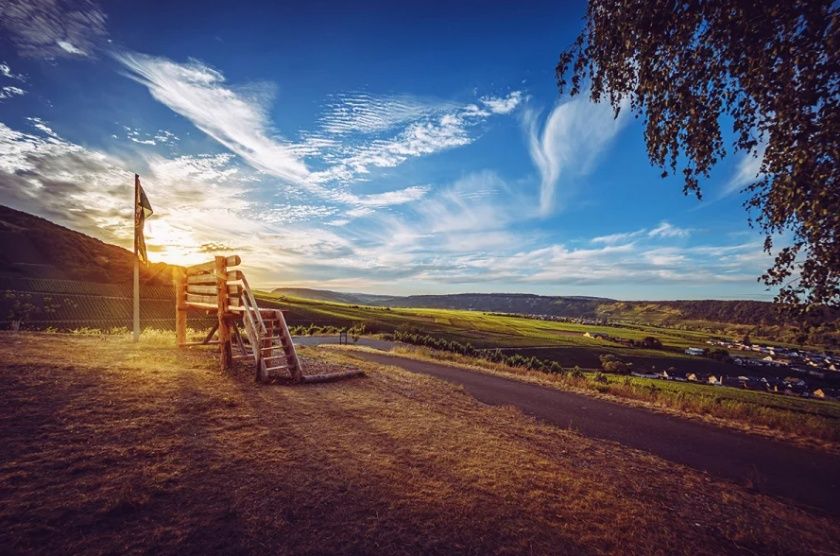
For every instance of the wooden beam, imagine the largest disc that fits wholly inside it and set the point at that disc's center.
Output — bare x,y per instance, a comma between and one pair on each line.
329,377
211,266
211,289
211,308
193,298
210,334
210,343
210,278
232,301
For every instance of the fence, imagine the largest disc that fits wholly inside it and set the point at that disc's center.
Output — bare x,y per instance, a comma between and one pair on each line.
41,303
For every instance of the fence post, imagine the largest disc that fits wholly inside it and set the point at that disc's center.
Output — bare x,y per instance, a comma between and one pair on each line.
225,353
180,283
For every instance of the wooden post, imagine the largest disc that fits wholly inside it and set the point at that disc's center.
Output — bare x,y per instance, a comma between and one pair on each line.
225,353
179,280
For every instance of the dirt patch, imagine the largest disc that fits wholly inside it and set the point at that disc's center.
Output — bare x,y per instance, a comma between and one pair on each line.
115,447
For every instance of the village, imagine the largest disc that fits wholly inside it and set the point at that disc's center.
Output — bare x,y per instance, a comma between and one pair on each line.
801,364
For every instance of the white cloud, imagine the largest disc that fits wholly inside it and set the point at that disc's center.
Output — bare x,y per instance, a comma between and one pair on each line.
503,105
161,136
666,229
747,171
426,129
52,29
6,71
237,119
70,49
390,198
10,91
234,118
617,238
663,230
572,136
351,113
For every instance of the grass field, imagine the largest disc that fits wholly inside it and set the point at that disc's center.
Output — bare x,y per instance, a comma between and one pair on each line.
480,329
122,448
564,342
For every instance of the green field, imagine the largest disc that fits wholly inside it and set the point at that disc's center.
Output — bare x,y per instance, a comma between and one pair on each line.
482,330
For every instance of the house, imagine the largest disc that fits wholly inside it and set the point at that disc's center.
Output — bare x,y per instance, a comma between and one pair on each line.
673,374
695,351
826,394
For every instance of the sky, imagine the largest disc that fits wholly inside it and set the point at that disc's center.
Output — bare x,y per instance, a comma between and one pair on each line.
397,148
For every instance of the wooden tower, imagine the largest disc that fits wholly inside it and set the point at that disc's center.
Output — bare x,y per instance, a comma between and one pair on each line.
243,330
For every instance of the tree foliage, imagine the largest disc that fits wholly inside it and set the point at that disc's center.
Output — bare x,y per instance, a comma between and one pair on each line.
770,67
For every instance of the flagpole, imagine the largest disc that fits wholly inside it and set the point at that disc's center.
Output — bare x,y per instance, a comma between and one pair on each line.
136,327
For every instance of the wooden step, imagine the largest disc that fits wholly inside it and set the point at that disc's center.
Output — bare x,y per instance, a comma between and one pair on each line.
277,368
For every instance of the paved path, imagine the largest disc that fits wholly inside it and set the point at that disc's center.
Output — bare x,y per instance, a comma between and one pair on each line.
807,477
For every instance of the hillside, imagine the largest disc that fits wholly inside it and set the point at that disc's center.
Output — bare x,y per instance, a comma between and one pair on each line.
649,312
51,276
32,247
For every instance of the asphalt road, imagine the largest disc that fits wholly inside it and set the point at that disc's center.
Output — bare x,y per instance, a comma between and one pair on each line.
806,477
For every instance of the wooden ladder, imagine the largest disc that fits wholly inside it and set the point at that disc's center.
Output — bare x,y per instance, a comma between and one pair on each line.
269,342
264,335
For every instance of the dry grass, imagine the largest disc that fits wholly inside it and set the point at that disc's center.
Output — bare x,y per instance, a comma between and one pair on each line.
723,409
113,447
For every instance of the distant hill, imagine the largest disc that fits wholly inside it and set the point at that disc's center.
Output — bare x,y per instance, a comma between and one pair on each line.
338,297
650,312
32,247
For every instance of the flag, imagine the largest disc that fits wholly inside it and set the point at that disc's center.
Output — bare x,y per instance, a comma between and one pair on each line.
142,210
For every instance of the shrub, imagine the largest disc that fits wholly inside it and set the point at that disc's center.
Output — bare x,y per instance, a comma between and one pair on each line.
612,364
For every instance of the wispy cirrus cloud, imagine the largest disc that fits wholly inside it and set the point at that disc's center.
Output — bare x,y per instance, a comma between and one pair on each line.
620,237
573,134
418,128
747,171
664,230
505,104
50,29
236,119
6,71
351,113
160,137
10,91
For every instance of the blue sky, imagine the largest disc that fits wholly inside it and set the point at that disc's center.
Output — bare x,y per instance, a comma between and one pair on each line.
394,148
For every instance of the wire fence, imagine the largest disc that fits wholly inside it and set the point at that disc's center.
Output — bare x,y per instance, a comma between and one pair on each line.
39,303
